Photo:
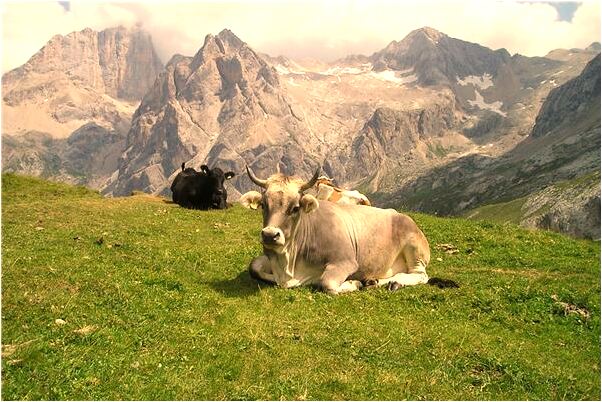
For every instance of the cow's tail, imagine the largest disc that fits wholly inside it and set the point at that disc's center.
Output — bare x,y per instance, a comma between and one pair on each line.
183,163
443,283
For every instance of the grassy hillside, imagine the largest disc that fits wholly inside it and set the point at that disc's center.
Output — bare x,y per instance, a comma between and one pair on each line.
136,298
502,212
568,206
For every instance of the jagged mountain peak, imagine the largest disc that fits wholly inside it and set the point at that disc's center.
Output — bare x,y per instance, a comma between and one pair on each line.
226,43
570,103
228,37
224,105
437,58
118,61
425,36
428,32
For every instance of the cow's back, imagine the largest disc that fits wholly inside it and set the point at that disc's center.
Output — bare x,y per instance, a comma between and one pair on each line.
187,190
374,237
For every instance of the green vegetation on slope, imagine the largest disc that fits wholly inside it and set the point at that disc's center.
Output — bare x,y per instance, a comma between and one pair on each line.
541,202
156,304
502,212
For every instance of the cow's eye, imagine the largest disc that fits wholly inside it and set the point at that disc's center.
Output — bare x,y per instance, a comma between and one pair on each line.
295,209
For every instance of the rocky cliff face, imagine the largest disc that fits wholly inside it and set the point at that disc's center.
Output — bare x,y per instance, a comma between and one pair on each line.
395,138
232,106
375,122
67,110
567,207
430,122
563,145
567,103
224,105
117,62
439,59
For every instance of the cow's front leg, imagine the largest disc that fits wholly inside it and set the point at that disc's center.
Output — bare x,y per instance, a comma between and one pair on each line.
260,268
334,279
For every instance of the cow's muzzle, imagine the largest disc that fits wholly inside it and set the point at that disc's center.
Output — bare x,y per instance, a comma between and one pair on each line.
271,236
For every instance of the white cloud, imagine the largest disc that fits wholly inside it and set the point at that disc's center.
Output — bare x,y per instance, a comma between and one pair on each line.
310,28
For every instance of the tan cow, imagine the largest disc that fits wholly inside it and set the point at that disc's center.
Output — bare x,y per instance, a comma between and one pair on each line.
329,192
339,248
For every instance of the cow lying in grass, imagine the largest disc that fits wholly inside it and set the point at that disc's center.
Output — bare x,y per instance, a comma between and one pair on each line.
200,190
339,248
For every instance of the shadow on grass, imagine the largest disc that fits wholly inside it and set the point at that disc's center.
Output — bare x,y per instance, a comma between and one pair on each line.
241,286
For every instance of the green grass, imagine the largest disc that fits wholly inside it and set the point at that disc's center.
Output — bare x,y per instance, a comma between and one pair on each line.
157,304
503,212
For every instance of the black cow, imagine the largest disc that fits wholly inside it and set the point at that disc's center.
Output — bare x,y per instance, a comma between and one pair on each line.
200,190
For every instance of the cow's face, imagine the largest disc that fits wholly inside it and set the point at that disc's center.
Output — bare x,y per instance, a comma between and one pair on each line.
215,184
283,203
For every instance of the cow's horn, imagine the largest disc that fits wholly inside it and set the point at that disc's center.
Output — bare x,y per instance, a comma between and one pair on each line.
311,183
254,179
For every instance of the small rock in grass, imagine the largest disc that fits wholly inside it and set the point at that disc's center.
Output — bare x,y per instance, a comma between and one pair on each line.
448,248
60,321
88,329
8,350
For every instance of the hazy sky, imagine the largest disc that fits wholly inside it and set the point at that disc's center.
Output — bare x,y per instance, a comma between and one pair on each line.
320,29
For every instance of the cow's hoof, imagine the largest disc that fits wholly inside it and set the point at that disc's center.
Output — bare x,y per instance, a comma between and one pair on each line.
370,283
393,286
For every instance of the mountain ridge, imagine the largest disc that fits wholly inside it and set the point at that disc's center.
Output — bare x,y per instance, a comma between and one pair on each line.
420,105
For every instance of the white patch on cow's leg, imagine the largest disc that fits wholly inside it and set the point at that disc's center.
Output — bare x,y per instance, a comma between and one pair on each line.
259,268
349,286
334,277
416,276
291,283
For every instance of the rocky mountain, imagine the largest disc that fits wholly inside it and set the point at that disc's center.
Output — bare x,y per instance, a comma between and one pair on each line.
568,207
435,58
373,122
118,62
567,103
564,144
571,207
231,105
65,113
224,105
430,122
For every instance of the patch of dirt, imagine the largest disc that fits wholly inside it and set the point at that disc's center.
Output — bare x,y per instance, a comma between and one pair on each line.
569,308
447,248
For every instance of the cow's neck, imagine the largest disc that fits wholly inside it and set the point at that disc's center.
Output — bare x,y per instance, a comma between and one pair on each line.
284,262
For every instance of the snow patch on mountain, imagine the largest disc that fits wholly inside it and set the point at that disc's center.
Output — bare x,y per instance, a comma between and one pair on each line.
483,82
394,76
481,104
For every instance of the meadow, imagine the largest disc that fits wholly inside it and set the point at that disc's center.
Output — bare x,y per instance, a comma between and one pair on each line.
137,298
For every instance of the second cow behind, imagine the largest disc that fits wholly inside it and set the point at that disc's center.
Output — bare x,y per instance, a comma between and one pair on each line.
201,190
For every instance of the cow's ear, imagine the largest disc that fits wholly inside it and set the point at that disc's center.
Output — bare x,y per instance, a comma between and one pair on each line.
205,169
251,200
309,203
229,175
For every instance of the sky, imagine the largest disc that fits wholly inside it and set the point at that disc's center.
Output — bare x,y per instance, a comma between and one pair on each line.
324,30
